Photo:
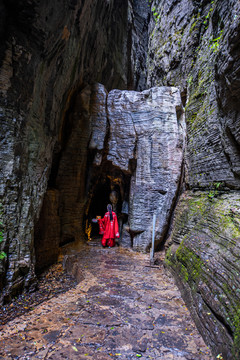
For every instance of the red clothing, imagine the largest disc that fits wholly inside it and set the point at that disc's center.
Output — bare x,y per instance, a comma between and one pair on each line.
109,229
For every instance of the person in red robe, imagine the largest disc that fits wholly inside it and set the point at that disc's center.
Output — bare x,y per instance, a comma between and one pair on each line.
108,226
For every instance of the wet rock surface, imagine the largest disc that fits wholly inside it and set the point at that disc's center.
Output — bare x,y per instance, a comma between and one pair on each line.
49,53
51,282
204,257
122,309
117,135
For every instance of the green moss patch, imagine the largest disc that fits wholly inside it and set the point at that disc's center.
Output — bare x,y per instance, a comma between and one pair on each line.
207,260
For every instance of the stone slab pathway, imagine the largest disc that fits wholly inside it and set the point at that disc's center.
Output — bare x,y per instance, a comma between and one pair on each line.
121,309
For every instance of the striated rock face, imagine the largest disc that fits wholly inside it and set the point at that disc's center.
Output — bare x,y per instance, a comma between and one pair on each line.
207,267
139,16
49,52
147,130
115,139
114,150
195,45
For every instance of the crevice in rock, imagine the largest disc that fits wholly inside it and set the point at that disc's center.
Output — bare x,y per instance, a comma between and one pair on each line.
184,97
63,138
55,165
236,149
233,140
220,318
180,188
53,228
166,235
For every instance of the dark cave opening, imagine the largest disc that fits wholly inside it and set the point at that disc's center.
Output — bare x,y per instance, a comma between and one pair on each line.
98,206
108,186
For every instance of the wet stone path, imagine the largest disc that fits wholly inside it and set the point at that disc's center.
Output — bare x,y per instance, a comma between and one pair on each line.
120,309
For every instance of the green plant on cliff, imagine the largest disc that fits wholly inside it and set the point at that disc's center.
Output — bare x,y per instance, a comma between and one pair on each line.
236,342
214,43
214,191
156,15
191,264
186,263
207,17
2,253
190,80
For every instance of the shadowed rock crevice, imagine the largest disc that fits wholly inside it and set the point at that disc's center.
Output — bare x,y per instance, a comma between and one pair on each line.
108,184
67,191
221,320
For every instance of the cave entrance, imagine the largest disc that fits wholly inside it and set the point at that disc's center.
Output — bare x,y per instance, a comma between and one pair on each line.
111,187
97,207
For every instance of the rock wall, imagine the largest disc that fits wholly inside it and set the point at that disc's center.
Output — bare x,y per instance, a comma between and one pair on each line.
49,52
66,197
204,258
148,129
194,45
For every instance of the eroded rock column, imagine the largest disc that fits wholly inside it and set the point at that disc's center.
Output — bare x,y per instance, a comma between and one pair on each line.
147,130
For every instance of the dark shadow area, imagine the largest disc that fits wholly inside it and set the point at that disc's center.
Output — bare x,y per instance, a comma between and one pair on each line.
108,185
98,206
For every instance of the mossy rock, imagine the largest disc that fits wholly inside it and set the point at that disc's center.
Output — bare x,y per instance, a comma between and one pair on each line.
205,259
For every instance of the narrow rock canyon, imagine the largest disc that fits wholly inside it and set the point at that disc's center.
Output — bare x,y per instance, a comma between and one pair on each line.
137,100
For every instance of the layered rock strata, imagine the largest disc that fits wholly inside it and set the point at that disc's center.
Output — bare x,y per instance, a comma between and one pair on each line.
194,45
48,53
147,129
121,135
204,258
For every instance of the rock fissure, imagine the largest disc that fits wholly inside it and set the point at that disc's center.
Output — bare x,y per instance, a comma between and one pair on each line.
220,318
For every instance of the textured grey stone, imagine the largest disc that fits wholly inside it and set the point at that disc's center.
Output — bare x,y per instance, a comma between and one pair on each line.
190,48
148,127
141,134
206,265
49,52
48,55
195,45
